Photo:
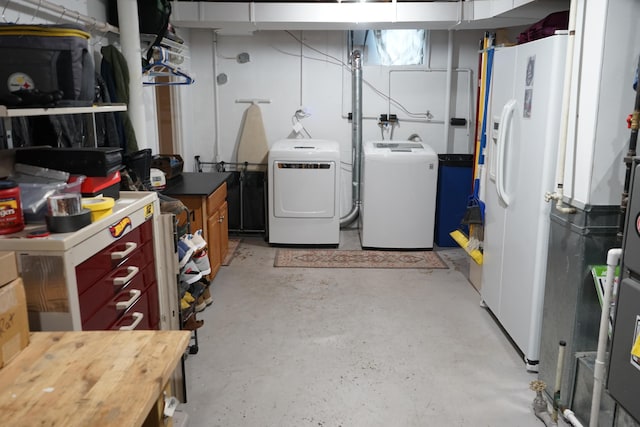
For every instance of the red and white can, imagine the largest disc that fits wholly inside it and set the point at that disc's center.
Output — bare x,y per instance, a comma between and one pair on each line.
11,219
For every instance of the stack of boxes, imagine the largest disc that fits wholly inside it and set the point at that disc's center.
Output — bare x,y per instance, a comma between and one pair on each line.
14,323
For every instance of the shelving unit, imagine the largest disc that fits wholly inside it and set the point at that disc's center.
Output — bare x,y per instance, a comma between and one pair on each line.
181,230
8,113
53,111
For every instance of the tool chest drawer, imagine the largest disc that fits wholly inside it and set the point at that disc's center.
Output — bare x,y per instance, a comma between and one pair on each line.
115,285
109,312
135,318
117,278
112,256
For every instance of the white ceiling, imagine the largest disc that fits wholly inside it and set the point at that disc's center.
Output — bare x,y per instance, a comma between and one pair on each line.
243,17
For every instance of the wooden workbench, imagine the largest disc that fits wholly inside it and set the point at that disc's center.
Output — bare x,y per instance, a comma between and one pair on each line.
89,378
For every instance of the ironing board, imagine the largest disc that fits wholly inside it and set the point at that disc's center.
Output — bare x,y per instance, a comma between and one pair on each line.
253,147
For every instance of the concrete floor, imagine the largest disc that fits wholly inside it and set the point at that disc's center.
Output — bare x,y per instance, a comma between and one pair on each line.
352,347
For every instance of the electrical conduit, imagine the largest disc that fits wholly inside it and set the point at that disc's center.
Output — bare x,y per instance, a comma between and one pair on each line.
356,137
447,97
216,97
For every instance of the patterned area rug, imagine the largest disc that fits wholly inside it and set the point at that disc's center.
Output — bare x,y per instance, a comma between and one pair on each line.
330,258
233,245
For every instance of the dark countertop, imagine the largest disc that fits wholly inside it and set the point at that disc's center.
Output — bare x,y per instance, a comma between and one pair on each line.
195,183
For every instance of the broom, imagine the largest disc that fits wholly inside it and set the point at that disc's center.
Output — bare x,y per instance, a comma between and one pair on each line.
474,214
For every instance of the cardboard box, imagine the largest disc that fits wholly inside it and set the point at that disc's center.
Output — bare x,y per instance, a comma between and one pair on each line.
8,267
14,323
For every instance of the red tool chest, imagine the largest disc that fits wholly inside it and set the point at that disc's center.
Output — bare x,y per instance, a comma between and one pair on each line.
104,276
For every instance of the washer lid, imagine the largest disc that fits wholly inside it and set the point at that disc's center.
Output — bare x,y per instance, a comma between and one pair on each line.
391,147
305,146
399,146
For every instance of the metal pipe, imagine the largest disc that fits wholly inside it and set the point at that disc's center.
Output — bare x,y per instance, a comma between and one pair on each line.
613,257
70,15
356,137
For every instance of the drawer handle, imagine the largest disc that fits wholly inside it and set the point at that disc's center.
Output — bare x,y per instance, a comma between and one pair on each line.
131,246
137,319
119,281
123,305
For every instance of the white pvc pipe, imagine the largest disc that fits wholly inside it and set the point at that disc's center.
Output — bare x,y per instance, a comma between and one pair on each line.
562,346
613,257
130,42
564,123
571,418
447,96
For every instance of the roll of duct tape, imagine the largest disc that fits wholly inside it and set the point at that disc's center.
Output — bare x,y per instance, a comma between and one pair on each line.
64,204
68,223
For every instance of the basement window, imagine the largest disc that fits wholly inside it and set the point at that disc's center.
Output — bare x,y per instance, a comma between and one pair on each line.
390,47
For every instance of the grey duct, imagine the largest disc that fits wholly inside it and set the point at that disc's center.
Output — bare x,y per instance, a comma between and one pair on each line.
356,137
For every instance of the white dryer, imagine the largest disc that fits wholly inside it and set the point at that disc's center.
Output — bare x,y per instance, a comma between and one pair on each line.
303,187
399,184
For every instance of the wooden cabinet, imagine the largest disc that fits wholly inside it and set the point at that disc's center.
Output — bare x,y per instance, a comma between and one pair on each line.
209,213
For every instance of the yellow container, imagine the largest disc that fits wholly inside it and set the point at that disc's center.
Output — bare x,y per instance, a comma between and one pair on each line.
100,207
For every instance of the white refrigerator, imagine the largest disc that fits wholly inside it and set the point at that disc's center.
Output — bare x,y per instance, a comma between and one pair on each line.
520,159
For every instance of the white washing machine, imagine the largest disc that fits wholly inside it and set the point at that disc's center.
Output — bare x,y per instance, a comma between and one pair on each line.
303,186
399,184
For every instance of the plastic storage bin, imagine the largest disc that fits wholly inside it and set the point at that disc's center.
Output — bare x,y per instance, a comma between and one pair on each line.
455,183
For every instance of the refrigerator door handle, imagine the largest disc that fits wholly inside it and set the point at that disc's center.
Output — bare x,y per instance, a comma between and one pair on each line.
506,119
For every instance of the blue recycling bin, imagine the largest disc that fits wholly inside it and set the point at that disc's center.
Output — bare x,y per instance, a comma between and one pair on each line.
455,184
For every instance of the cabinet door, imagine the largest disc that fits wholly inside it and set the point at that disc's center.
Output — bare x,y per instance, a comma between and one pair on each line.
213,241
197,213
224,231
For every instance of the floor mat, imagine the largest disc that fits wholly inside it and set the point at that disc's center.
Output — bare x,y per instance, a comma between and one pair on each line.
233,245
330,258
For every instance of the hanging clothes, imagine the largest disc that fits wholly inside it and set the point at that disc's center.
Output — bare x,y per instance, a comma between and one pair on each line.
115,72
107,134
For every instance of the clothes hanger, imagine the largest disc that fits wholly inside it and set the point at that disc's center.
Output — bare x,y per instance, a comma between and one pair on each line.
162,66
